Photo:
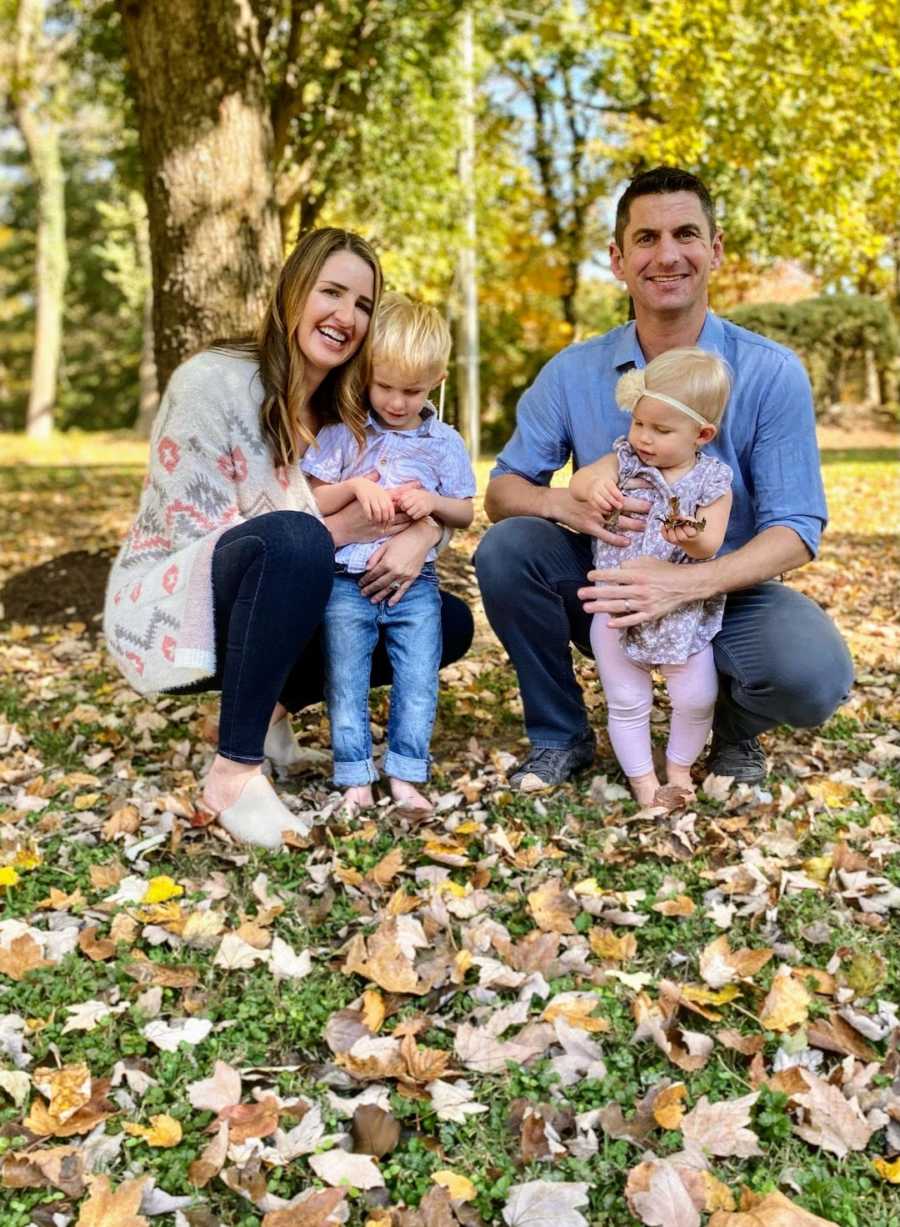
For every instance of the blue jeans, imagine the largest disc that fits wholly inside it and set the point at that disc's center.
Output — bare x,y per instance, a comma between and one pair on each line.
779,657
412,637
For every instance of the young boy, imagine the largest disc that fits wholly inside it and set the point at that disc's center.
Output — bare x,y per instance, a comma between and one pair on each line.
406,444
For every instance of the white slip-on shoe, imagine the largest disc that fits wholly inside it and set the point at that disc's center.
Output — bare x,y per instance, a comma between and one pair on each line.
259,816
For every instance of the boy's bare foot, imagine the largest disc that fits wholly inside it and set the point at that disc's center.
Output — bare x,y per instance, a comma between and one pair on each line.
644,787
359,797
409,797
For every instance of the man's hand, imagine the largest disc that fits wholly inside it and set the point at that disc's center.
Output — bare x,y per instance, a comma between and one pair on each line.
641,590
417,503
575,513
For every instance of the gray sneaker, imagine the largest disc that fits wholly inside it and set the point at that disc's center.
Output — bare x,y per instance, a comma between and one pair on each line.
744,760
555,766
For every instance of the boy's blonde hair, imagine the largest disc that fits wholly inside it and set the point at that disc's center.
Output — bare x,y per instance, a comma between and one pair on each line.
699,379
411,336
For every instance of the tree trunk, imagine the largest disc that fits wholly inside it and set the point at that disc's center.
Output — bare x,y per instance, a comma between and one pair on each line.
41,136
148,390
206,140
873,380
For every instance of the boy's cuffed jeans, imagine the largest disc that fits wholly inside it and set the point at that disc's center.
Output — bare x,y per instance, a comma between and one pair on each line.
779,657
411,631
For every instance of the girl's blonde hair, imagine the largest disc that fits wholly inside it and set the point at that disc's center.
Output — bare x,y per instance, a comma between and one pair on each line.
411,336
282,367
698,378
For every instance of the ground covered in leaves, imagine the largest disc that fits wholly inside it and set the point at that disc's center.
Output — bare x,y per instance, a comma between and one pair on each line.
528,1010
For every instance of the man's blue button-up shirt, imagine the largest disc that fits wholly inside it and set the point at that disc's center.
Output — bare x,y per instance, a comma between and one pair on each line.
767,435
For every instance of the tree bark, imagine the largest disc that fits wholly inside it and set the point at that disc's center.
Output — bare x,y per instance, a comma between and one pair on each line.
41,135
206,140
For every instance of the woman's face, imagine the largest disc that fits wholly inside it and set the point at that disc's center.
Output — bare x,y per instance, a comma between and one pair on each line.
337,313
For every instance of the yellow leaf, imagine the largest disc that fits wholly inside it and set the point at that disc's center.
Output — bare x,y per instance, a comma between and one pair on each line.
832,793
887,1171
667,1106
787,1003
577,1013
818,868
707,996
86,800
8,876
553,907
163,1131
373,1010
459,1187
168,915
27,858
608,945
588,886
681,905
160,889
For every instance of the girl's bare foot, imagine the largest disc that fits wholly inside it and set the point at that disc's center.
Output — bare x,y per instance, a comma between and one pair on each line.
679,776
644,787
408,795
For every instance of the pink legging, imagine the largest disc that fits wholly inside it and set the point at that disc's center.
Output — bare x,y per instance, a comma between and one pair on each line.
629,697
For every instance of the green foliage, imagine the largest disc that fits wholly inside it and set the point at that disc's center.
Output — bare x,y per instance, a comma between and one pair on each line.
831,333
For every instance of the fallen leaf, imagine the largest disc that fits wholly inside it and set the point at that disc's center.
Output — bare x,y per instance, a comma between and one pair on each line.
829,1119
542,1202
22,955
720,965
316,1208
747,1045
95,948
252,1120
162,888
668,1108
553,907
337,1167
66,1089
787,1003
387,868
607,945
375,1132
212,1159
163,1131
107,1208
658,1196
887,1171
373,1010
768,1210
222,1090
60,1167
720,1128
681,905
459,1187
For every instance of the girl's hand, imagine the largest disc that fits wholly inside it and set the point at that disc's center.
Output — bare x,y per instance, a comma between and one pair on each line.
417,503
605,495
396,564
679,535
375,501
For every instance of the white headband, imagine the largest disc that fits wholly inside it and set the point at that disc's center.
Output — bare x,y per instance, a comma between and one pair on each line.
632,386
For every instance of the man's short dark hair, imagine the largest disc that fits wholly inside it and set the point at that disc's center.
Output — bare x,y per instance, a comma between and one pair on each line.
657,182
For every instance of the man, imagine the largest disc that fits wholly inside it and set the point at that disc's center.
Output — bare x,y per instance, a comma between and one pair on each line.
780,659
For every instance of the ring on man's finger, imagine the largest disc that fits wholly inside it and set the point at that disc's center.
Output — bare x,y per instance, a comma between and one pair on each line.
628,608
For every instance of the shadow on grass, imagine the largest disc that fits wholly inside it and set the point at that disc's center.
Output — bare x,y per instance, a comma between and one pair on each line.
68,588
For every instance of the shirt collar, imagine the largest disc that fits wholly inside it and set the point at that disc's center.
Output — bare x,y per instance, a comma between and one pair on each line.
628,352
423,430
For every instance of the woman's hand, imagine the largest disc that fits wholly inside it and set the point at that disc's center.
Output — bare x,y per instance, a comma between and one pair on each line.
397,563
351,524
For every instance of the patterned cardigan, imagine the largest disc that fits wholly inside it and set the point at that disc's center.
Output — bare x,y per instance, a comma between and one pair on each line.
210,469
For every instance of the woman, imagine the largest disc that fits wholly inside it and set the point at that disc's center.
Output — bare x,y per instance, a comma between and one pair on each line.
224,576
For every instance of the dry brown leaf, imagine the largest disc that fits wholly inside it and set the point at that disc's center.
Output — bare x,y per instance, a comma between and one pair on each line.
86,1118
767,1210
577,1010
836,1035
387,868
107,875
668,1109
747,1045
316,1210
212,1159
66,1089
162,975
657,1195
689,1050
721,1128
681,905
541,1202
59,901
607,945
423,1064
123,821
22,955
375,1132
107,1208
60,1167
214,1094
720,965
382,961
787,1003
252,1120
829,1120
553,907
96,948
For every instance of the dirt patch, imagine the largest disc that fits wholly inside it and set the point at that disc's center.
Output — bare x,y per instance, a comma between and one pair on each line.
68,588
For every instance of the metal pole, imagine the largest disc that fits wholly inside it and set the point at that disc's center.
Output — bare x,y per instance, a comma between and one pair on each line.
468,348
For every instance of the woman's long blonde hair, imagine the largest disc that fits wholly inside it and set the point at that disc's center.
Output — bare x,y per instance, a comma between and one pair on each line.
341,394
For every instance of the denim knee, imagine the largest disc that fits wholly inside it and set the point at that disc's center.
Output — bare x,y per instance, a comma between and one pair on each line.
809,699
508,550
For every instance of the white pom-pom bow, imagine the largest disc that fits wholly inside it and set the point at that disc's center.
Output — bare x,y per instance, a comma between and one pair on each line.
630,389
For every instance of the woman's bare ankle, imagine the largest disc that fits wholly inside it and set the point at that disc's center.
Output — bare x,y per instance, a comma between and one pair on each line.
225,781
278,713
644,787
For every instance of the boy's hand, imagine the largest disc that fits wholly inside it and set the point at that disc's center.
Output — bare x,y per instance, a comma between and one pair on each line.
375,501
417,503
605,495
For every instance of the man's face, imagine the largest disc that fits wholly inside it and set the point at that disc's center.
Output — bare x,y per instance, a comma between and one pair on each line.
667,254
